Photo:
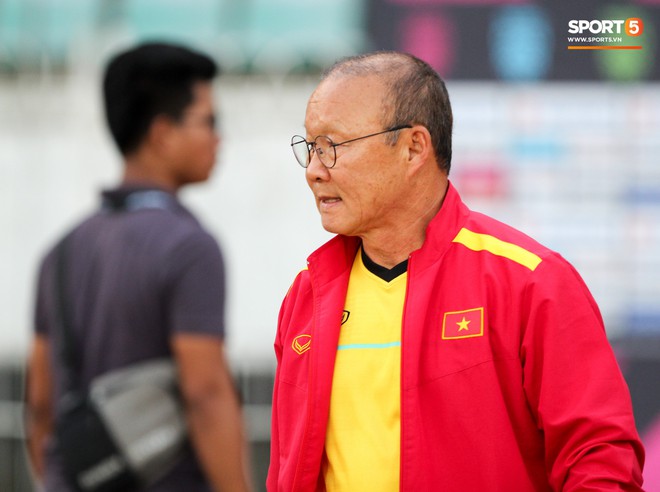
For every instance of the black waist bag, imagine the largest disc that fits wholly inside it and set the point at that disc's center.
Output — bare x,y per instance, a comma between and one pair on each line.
91,460
127,433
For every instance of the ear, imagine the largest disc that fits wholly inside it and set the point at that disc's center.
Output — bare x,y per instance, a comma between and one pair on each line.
420,148
161,133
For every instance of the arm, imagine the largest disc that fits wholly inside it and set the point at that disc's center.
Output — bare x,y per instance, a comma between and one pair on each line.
39,413
575,388
212,411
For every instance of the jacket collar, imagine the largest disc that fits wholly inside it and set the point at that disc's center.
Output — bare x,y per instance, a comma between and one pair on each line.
443,228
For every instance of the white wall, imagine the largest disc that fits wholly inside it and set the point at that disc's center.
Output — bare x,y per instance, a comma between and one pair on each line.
590,145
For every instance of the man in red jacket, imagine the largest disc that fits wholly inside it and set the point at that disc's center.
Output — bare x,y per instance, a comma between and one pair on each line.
427,347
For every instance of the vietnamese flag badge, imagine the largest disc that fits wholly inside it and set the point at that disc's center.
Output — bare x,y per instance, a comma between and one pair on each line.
463,324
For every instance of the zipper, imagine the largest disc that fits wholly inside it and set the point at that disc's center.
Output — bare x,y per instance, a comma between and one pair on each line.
401,375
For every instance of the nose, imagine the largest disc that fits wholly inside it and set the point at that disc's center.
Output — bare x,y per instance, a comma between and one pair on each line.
316,171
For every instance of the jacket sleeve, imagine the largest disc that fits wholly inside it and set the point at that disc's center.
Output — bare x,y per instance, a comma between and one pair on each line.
574,386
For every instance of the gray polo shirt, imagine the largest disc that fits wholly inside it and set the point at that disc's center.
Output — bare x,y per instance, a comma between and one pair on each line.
140,270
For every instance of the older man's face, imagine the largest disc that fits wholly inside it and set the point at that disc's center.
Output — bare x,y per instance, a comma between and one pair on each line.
364,192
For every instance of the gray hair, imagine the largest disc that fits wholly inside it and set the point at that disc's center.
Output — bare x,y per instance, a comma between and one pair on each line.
416,95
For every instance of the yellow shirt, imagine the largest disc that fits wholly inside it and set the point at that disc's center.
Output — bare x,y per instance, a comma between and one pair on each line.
362,442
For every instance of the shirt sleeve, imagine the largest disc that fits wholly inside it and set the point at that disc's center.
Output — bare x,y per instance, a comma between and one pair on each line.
195,300
575,387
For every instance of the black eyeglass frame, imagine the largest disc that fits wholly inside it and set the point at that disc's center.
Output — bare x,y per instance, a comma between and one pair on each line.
311,145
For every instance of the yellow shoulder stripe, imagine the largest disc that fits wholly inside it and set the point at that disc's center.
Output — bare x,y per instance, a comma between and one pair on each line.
485,242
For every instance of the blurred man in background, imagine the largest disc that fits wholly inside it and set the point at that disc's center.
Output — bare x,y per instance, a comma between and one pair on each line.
428,347
144,279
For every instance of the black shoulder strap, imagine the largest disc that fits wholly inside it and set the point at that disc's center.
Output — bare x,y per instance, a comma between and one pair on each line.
64,335
138,200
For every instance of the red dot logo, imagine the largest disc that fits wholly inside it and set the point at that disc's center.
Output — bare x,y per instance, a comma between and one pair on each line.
634,26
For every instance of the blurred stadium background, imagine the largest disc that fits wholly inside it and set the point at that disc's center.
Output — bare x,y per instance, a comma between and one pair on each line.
561,144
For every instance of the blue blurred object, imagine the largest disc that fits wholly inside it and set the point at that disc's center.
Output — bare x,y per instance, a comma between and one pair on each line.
521,42
643,320
540,148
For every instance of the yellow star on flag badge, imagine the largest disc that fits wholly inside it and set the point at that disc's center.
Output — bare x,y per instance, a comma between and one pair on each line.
463,324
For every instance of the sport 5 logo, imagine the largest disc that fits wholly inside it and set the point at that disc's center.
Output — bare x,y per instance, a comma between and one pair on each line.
632,26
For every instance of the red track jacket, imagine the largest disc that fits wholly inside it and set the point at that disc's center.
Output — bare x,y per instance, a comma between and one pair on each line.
508,382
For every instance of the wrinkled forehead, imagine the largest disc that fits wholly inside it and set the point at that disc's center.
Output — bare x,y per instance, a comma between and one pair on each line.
347,103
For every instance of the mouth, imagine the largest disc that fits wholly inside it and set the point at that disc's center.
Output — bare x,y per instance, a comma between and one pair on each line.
326,202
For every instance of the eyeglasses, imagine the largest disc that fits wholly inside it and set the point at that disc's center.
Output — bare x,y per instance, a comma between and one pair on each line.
324,147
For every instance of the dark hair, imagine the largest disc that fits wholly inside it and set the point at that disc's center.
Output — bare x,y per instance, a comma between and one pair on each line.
149,80
416,95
